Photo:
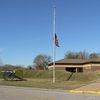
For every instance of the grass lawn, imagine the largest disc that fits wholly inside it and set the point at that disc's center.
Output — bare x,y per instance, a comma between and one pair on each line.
44,83
43,79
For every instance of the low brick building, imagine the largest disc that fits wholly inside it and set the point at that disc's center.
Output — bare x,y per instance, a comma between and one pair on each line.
77,65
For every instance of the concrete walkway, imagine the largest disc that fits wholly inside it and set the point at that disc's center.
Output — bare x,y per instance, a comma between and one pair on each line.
93,88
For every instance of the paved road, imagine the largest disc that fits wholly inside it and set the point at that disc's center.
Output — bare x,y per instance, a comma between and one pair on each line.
21,93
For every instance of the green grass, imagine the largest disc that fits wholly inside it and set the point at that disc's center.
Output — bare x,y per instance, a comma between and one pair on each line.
44,83
43,79
62,75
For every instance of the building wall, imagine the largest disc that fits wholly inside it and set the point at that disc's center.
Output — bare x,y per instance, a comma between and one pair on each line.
60,68
95,68
64,66
85,68
76,68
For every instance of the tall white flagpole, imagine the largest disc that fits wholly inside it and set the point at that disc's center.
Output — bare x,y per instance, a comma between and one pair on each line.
54,46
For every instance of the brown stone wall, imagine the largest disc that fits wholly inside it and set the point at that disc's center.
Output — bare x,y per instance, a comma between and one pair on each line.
60,68
95,68
86,69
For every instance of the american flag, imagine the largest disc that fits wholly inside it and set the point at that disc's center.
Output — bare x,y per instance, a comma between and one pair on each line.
56,41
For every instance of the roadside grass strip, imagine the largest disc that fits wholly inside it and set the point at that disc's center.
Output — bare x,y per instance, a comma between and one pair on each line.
85,92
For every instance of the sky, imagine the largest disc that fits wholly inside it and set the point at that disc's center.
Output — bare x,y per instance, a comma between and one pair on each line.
26,28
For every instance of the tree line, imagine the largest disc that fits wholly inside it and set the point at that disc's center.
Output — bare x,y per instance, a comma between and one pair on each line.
81,55
41,61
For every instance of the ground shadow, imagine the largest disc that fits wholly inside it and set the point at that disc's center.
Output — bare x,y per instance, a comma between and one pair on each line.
70,76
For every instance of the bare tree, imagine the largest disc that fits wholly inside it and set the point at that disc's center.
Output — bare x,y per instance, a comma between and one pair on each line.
70,55
9,67
31,67
41,61
76,55
94,55
82,55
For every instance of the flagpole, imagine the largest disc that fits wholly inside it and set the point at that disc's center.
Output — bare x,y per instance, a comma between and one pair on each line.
54,46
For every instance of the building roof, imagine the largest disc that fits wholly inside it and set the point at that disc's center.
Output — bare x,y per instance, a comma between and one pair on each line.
76,61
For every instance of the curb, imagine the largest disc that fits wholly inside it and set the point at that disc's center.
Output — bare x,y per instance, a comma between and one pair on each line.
85,92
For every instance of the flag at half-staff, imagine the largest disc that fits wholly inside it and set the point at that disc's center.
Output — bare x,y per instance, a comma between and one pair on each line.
56,41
